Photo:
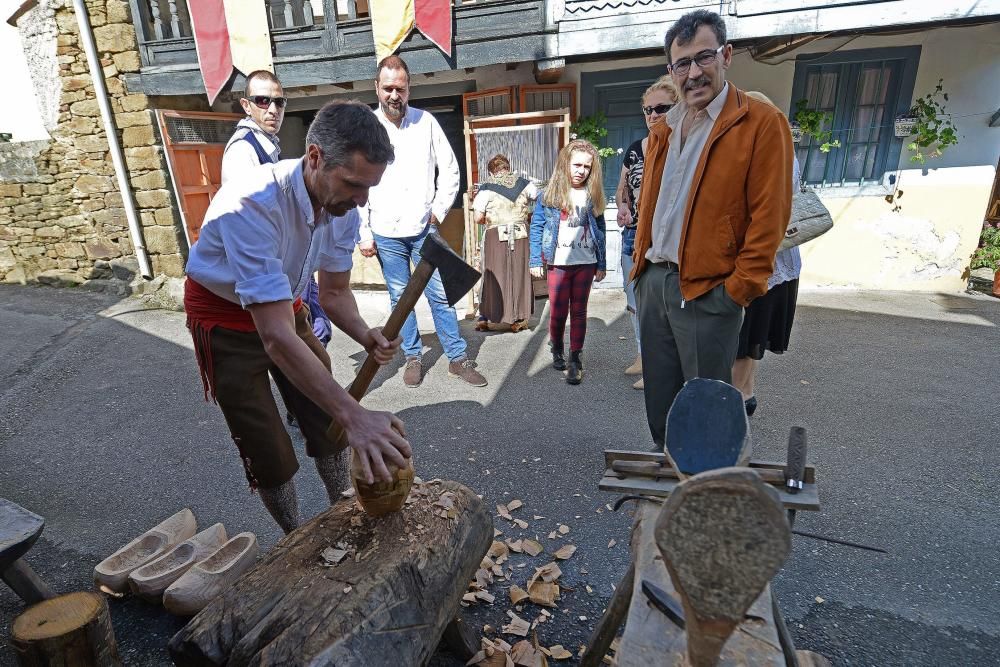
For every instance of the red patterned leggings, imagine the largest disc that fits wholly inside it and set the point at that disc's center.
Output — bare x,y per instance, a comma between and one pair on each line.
569,291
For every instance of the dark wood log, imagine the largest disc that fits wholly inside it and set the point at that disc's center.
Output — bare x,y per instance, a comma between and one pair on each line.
73,629
460,639
23,581
387,602
607,627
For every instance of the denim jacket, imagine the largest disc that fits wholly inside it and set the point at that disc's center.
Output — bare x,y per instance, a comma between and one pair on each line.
545,233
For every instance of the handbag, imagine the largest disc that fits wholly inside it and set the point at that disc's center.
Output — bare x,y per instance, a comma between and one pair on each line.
810,218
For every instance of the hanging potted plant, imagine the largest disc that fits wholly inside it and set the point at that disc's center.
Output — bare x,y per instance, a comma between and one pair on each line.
932,130
813,123
592,128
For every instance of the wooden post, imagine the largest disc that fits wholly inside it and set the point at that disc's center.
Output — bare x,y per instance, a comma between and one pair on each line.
73,629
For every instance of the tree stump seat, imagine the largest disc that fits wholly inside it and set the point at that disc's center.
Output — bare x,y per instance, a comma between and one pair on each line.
348,588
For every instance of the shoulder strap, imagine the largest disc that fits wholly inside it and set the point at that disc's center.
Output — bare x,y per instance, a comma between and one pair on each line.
262,155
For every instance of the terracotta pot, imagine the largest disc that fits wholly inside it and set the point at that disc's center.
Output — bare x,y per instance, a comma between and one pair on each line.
996,283
381,497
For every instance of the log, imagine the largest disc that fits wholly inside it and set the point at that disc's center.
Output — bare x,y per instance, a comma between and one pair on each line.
387,601
73,629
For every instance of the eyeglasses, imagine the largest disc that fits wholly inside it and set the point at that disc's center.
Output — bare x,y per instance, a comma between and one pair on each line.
703,58
659,108
264,102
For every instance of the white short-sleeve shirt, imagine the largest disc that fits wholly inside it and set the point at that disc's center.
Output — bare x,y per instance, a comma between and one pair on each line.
260,242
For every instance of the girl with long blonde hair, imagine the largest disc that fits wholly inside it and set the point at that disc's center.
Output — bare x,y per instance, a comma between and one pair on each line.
567,237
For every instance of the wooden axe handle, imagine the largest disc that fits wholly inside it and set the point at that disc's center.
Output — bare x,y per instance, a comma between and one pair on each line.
407,301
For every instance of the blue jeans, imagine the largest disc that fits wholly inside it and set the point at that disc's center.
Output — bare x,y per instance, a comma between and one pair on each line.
395,256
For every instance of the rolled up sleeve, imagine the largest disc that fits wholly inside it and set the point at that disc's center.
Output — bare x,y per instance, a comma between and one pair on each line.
252,251
337,254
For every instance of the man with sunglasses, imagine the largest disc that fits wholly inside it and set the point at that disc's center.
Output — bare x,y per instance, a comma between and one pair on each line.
714,204
255,141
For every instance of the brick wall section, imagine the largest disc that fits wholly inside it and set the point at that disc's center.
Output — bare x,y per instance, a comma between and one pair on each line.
64,218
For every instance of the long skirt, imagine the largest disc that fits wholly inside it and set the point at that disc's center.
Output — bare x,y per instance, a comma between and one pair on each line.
506,295
767,322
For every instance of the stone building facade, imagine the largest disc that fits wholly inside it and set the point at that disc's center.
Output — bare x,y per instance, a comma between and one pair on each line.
62,217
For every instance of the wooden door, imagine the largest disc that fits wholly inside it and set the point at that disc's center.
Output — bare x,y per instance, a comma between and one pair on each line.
194,143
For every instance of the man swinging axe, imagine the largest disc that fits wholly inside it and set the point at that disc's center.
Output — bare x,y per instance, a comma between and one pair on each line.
264,236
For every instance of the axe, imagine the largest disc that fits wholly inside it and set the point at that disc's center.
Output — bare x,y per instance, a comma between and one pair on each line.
456,276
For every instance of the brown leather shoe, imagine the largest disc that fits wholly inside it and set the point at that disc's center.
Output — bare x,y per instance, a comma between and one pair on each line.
518,325
413,374
483,325
465,369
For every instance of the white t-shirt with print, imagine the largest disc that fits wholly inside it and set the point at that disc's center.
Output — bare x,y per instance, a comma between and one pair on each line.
575,244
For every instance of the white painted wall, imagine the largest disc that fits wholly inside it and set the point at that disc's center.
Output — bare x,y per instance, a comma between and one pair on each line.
21,118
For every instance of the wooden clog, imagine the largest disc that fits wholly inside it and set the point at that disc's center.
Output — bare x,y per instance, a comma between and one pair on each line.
206,580
150,580
111,574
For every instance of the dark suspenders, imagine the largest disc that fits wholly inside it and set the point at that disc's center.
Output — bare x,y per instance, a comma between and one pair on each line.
262,156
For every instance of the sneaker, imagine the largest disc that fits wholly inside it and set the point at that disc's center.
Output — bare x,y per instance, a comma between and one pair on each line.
413,374
465,369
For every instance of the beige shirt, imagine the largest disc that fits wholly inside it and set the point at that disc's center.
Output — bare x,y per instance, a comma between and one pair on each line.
678,176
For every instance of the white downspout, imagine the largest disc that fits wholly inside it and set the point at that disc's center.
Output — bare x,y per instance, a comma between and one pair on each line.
111,130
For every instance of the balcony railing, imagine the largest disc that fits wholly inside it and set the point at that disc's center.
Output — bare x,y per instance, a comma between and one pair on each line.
170,19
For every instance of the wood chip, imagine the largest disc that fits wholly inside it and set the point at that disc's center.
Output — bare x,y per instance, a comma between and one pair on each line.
525,655
563,529
483,578
565,551
531,547
503,513
331,556
469,597
612,543
552,535
517,626
497,571
559,653
549,572
589,589
349,493
497,550
521,523
514,504
536,517
516,545
348,589
517,594
484,596
615,643
543,593
496,533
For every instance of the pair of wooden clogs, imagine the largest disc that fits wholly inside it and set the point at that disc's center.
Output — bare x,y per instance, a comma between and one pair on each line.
174,564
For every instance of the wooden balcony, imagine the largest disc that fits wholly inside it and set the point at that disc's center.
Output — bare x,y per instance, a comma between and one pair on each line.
336,46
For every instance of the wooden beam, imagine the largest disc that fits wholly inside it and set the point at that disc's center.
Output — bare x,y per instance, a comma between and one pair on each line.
781,46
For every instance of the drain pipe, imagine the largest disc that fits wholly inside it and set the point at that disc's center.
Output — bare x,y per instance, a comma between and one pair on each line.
97,74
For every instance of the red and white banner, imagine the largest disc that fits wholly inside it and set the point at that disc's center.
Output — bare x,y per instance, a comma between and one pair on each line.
392,21
228,34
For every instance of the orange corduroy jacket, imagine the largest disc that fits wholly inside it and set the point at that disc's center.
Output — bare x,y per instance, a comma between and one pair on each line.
739,205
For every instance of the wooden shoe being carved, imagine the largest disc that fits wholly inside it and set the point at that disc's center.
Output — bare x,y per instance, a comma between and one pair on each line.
150,580
207,579
111,574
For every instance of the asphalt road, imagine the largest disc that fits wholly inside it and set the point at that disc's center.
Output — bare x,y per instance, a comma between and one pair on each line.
104,431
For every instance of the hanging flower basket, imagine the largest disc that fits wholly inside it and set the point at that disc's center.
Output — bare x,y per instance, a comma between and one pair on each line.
904,126
796,132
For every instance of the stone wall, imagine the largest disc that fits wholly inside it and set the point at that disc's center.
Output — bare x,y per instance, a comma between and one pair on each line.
64,219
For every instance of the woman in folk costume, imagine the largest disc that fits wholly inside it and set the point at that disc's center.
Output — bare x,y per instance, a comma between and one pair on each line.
568,236
503,204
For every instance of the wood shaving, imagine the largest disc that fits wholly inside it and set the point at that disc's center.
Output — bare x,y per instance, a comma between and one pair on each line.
503,513
498,550
531,547
517,594
565,551
522,524
612,543
543,593
514,504
517,626
484,596
559,653
525,655
563,529
515,546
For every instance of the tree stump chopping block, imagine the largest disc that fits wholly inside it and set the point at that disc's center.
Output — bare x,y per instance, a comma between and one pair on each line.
73,629
348,588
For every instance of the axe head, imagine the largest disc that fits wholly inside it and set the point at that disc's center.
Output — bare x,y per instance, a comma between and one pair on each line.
456,276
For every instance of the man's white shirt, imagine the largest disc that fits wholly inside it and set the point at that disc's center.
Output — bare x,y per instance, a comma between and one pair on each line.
400,205
260,241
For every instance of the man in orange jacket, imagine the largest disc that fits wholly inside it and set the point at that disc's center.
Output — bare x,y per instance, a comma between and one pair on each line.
714,205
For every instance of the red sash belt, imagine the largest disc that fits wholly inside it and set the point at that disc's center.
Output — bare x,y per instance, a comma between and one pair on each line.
207,310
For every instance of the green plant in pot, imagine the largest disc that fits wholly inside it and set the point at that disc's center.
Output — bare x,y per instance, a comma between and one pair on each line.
592,128
932,129
815,124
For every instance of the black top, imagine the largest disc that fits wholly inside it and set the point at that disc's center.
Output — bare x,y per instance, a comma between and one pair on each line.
633,163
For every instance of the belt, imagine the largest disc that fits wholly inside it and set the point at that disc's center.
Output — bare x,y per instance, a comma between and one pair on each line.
668,265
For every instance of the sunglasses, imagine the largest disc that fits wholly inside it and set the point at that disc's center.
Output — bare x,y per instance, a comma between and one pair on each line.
659,108
264,102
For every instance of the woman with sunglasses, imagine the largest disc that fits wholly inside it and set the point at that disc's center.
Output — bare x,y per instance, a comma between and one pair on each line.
658,99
